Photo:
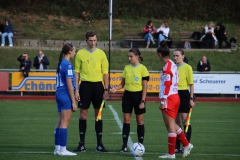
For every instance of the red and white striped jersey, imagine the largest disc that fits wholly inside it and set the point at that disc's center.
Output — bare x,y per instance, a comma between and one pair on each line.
169,80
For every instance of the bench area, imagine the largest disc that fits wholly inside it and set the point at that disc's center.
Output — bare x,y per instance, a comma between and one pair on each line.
134,37
17,33
187,36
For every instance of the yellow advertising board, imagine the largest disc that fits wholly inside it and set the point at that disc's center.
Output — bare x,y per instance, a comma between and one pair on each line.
36,81
46,81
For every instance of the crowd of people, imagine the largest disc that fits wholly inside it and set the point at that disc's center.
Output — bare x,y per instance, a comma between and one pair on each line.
211,36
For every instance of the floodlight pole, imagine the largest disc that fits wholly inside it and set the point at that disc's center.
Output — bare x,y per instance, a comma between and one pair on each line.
110,36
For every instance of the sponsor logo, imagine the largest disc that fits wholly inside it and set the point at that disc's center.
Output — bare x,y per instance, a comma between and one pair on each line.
237,88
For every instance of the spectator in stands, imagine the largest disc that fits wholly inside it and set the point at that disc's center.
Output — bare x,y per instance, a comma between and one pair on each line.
203,65
8,32
163,32
149,30
209,37
40,61
221,34
25,64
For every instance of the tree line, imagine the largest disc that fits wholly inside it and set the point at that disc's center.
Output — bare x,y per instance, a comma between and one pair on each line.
219,10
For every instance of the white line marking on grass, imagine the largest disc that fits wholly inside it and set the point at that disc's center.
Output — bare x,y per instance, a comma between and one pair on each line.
27,152
195,154
119,122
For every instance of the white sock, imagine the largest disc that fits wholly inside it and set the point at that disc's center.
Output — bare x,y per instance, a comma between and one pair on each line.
57,147
63,148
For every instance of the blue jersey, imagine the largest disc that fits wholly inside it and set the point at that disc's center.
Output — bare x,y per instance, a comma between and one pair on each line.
65,71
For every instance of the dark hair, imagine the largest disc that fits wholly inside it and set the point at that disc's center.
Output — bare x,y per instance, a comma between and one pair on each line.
163,49
65,50
90,34
180,50
149,22
136,52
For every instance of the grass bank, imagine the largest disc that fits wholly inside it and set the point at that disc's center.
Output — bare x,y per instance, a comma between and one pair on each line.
45,26
220,61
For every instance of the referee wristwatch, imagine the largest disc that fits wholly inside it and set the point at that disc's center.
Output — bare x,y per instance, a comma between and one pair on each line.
142,101
106,89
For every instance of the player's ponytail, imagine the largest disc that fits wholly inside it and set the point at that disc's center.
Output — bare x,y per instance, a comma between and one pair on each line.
163,49
65,50
59,61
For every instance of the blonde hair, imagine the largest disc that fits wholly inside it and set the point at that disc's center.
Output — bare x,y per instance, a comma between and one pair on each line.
166,24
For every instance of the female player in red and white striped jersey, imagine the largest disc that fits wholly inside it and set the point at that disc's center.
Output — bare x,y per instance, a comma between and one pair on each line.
170,102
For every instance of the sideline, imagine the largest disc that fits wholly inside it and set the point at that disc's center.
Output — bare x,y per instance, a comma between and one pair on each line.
119,122
150,99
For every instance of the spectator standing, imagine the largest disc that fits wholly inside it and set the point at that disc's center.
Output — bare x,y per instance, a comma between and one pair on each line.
170,103
163,32
221,34
149,30
134,80
25,64
203,65
185,92
8,32
65,99
92,64
40,61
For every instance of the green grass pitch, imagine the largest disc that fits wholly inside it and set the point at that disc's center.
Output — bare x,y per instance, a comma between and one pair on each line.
26,132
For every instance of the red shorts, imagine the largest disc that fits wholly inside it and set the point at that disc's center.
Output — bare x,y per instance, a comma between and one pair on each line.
171,105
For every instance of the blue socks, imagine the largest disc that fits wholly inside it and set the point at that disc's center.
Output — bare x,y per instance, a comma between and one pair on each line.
63,133
56,136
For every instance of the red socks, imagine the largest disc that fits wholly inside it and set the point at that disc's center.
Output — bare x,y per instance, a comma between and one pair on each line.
171,142
182,138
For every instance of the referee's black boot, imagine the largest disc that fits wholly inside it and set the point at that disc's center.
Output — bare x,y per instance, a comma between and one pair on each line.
80,148
101,148
124,149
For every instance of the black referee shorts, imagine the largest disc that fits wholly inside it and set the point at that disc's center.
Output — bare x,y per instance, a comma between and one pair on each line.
184,96
132,100
90,92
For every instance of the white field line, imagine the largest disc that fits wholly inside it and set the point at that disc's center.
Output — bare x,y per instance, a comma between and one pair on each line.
195,154
119,122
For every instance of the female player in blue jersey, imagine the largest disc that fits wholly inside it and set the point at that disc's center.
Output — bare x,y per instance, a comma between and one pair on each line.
65,81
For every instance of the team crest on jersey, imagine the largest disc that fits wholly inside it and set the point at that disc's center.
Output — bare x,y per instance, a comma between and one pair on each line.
136,79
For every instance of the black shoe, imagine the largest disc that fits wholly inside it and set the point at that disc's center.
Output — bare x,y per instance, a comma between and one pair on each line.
124,149
80,148
101,148
179,151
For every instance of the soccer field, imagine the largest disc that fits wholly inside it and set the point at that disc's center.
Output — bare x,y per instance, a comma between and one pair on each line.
26,132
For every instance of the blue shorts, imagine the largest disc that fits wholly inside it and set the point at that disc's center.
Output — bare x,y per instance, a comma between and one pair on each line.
63,100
